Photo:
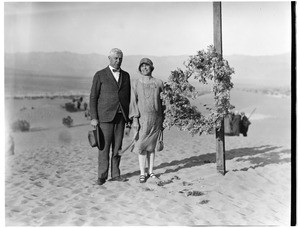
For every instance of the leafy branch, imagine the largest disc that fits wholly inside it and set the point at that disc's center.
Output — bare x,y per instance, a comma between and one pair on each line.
204,67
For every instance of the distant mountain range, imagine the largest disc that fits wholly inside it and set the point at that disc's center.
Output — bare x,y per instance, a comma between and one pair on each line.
254,70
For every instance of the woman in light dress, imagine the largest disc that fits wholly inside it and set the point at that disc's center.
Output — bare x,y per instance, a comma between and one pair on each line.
146,112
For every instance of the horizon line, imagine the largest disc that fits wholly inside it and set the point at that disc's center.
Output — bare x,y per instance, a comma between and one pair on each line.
94,53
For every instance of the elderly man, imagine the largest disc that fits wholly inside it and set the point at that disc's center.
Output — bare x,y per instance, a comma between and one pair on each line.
109,107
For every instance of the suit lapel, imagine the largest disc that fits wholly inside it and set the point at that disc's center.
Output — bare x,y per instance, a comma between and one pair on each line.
111,77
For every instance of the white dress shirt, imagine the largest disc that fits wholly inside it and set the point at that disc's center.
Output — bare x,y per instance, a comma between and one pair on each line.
116,74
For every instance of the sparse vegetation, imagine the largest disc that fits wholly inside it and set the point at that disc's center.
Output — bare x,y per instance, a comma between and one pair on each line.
45,96
278,91
194,193
87,114
85,106
70,107
67,121
204,202
21,125
75,105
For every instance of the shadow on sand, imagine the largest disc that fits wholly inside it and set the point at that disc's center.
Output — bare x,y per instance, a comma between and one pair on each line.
35,129
266,153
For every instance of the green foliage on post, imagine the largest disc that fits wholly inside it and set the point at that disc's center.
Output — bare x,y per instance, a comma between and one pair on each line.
204,67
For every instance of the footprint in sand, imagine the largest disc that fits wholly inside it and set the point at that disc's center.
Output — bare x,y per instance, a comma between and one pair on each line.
17,209
76,191
79,222
52,220
79,205
204,202
93,215
184,183
164,182
188,192
147,189
81,212
38,210
24,201
95,208
33,178
39,184
49,204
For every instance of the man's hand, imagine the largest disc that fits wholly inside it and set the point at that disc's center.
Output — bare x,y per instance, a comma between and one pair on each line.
127,131
94,122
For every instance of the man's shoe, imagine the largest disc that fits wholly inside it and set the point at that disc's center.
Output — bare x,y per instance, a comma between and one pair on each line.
100,181
120,179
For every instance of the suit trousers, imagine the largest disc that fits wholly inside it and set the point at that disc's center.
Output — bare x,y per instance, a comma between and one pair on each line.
113,133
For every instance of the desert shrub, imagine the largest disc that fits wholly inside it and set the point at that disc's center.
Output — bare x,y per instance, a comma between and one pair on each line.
78,105
85,105
21,125
70,107
67,121
87,114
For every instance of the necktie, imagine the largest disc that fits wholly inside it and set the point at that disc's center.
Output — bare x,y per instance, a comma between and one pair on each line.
116,70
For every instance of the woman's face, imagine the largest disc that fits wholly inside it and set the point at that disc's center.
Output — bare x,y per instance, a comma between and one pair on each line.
145,69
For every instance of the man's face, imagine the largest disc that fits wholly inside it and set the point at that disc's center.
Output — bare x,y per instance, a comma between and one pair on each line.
115,60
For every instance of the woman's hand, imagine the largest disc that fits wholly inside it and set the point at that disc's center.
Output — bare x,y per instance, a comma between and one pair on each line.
135,124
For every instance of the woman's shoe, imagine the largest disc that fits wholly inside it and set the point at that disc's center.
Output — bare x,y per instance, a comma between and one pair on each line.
142,179
152,175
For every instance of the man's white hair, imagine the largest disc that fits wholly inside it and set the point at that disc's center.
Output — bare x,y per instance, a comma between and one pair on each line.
115,51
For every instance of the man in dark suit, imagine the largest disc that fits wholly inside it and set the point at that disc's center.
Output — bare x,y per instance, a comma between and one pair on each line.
109,107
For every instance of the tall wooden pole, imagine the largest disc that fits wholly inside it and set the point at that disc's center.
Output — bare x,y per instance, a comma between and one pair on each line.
220,139
294,156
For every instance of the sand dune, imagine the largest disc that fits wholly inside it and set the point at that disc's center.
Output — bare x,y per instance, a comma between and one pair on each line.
50,180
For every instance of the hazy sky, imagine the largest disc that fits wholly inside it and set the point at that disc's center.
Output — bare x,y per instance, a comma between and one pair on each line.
149,28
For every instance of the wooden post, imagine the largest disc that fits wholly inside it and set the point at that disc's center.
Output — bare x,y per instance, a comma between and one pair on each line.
218,27
220,139
294,156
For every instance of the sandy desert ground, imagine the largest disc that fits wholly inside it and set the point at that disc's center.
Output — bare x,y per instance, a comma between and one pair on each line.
50,180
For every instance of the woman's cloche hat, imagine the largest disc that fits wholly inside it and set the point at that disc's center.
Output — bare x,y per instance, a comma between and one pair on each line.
147,61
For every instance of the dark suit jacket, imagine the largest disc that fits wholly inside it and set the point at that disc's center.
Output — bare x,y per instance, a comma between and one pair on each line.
107,95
